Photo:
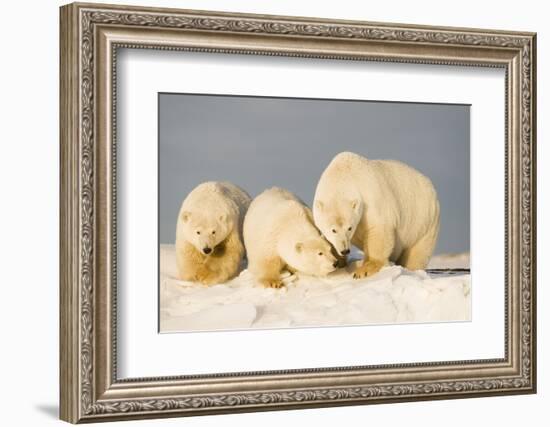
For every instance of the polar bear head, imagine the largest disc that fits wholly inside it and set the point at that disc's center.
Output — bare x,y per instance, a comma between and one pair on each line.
206,229
312,255
338,220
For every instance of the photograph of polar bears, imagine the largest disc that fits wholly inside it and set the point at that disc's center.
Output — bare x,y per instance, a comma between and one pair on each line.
359,252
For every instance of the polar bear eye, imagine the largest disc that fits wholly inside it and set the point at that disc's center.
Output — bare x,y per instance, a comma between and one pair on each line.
320,254
198,232
333,230
214,232
349,229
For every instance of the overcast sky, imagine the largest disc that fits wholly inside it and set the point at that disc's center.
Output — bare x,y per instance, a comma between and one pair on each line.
259,142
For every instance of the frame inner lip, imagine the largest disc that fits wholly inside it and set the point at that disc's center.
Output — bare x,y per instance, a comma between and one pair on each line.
330,371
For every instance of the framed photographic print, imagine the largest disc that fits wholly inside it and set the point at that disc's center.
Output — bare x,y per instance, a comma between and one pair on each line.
266,212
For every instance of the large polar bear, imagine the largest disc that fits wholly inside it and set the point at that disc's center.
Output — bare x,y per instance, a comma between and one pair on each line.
384,207
209,246
279,234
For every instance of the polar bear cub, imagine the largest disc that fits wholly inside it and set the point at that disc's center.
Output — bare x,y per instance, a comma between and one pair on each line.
209,246
279,234
384,207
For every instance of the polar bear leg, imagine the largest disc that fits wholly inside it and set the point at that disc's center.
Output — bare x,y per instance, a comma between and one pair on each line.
417,256
188,260
377,247
267,271
192,267
225,264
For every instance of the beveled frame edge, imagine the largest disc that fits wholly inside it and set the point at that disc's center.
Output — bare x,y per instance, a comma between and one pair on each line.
89,390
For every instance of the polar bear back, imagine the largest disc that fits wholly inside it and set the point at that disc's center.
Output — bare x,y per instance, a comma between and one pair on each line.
269,217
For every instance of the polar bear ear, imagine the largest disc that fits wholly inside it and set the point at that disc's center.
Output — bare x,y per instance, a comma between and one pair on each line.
355,203
185,216
299,247
223,217
319,205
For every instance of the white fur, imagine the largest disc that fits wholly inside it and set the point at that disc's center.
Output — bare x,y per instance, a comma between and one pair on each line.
384,207
279,234
211,218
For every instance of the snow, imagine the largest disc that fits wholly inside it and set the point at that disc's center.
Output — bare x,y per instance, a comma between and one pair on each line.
394,295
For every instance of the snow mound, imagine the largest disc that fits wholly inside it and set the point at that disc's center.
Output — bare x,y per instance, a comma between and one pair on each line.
394,295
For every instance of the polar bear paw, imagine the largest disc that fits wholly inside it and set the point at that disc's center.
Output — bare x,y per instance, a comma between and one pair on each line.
368,268
205,276
272,283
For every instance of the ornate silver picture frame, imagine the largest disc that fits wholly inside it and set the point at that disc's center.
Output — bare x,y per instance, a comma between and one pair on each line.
90,388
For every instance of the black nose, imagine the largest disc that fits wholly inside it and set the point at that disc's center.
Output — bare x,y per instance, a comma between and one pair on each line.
206,250
346,252
335,264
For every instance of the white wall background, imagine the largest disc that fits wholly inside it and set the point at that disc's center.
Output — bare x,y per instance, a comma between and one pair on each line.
29,170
